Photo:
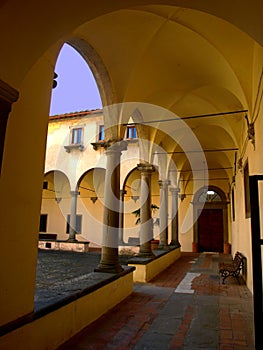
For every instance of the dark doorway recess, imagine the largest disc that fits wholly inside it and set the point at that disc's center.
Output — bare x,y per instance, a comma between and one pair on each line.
211,230
256,194
210,211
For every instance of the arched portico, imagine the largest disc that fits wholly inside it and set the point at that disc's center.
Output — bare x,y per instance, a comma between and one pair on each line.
164,55
132,204
56,201
90,203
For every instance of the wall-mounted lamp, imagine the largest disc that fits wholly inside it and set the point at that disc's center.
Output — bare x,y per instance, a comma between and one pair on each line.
135,198
93,199
182,196
240,164
55,83
250,131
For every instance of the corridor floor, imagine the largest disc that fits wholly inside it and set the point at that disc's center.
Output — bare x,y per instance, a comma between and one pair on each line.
185,307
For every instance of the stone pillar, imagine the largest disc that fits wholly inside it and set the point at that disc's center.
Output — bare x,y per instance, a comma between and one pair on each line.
8,95
146,226
163,214
174,224
121,217
109,253
73,216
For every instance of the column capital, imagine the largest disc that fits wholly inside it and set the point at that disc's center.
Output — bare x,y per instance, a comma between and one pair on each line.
164,183
175,190
145,168
115,145
74,193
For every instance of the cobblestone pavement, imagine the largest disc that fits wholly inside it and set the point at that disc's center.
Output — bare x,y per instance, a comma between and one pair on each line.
62,273
185,307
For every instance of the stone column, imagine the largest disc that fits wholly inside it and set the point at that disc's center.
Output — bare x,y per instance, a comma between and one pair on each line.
174,224
73,216
163,214
146,226
109,253
121,217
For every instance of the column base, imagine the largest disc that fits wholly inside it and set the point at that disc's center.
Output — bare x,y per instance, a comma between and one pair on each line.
195,247
163,247
72,240
109,261
146,250
155,244
227,248
107,268
145,255
175,244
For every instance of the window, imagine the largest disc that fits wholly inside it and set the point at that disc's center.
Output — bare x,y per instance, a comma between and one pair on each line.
246,191
76,140
76,136
78,223
209,196
101,133
45,185
131,132
43,223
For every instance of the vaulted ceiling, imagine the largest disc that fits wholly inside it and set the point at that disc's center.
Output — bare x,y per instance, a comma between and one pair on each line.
190,58
183,60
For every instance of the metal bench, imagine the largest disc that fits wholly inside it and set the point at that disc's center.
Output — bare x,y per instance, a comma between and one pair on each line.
233,268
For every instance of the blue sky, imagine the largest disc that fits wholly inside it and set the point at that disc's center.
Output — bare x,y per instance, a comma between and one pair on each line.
76,89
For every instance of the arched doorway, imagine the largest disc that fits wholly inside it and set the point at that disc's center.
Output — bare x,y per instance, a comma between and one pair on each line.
211,230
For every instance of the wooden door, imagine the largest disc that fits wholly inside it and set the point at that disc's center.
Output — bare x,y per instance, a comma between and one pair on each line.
210,230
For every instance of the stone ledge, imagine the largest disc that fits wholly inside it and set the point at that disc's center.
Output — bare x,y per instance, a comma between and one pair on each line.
147,268
94,281
144,261
42,329
51,244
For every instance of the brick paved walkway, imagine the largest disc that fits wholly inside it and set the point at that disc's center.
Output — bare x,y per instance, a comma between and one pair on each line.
185,307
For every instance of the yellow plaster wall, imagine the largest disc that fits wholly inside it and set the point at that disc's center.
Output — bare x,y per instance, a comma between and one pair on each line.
77,162
241,227
186,230
57,216
146,272
21,190
241,237
51,330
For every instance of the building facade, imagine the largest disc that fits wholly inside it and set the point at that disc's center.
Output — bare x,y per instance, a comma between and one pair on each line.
75,171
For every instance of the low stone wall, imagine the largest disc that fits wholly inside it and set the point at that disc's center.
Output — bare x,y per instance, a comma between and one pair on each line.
128,249
147,269
54,325
79,246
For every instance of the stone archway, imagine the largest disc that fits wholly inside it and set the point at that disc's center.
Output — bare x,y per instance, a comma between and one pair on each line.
90,187
55,203
211,220
131,191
